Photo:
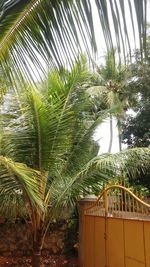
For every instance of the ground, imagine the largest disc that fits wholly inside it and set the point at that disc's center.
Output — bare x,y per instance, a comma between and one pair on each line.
53,261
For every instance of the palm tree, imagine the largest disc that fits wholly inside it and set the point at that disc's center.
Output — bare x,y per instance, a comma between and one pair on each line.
54,32
49,131
46,129
114,77
110,90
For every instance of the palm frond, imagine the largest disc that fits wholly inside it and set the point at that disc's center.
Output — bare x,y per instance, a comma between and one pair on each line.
39,127
84,148
100,169
57,30
128,162
13,206
16,179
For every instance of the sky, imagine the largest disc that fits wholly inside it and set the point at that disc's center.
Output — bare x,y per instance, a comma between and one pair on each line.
102,135
98,28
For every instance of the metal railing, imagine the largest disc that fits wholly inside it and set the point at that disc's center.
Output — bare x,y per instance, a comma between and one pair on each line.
119,201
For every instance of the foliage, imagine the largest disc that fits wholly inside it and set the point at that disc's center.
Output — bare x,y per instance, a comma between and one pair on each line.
48,134
47,160
50,129
137,127
72,234
18,187
57,31
110,92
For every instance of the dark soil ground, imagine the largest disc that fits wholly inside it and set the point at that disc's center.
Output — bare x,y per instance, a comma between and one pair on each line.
51,261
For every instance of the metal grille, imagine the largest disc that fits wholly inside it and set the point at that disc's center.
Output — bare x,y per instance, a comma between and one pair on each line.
120,202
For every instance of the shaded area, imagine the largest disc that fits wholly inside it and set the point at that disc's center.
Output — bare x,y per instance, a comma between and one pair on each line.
53,261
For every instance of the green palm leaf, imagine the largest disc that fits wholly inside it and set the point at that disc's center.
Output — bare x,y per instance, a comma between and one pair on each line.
40,126
18,184
102,168
57,30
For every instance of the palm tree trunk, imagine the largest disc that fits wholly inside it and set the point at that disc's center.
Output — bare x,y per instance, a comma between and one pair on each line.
111,134
36,255
120,145
119,135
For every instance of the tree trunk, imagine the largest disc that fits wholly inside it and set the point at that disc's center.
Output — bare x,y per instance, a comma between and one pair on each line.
36,255
119,135
111,134
120,143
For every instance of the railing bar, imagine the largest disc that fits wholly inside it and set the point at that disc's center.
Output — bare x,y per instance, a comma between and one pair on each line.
110,199
115,199
108,196
129,203
138,210
119,204
142,209
125,207
122,200
133,205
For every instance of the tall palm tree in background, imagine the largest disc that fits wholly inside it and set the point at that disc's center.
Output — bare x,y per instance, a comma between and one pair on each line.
114,77
48,134
110,92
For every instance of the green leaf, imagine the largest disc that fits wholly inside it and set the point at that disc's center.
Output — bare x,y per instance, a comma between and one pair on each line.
54,32
17,180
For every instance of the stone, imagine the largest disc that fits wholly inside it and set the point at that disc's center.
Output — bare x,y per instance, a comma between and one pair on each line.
16,239
12,247
60,243
4,246
7,254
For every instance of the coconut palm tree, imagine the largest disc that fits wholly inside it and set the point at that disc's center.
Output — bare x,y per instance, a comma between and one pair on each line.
114,77
48,133
46,129
110,90
37,33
